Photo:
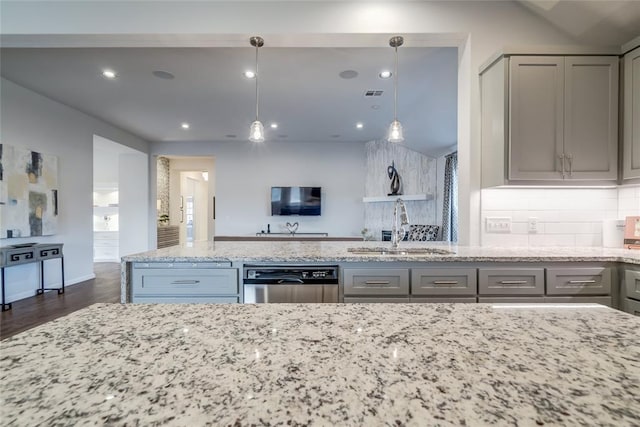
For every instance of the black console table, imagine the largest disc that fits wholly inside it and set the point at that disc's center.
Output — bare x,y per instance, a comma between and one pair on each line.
25,254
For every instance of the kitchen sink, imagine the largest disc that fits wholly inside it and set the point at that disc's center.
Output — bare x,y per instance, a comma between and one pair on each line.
399,251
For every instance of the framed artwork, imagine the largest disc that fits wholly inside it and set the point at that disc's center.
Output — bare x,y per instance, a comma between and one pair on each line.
28,193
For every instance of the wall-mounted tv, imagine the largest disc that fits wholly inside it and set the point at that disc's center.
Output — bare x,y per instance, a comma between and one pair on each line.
295,200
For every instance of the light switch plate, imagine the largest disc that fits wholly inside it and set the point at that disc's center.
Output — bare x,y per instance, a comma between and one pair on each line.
498,225
532,225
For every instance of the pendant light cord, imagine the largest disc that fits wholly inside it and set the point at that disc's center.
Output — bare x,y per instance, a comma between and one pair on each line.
257,74
395,89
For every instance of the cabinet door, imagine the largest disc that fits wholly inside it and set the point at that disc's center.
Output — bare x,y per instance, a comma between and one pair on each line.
367,300
184,282
579,281
510,281
434,300
632,284
443,281
631,154
591,117
632,306
376,282
536,107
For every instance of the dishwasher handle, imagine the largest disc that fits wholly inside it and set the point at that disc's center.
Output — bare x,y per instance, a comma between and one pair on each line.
290,280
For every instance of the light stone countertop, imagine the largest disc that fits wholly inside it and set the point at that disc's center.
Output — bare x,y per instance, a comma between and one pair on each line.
337,252
331,364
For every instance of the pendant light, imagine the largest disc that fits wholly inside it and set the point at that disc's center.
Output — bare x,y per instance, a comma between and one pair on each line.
256,132
395,129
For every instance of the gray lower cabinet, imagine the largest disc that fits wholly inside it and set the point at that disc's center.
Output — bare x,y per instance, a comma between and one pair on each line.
511,281
511,300
374,299
632,284
184,283
376,282
631,290
468,300
632,306
579,281
444,282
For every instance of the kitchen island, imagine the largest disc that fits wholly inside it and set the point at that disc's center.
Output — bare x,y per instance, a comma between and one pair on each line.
325,364
233,255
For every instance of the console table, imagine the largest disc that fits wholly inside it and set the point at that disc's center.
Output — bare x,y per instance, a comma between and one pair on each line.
27,253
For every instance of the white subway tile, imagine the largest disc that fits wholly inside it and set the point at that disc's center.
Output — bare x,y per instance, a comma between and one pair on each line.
504,240
589,240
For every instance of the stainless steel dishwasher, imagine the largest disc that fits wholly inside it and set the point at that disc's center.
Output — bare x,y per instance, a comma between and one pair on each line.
290,284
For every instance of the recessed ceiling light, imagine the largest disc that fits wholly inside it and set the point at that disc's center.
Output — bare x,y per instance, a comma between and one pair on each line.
385,74
109,74
274,126
163,75
359,125
185,125
348,74
249,74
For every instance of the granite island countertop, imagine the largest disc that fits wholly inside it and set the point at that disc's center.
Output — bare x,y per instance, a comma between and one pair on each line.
331,364
339,252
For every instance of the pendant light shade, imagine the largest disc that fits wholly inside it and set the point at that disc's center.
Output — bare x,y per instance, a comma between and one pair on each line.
395,128
395,132
256,132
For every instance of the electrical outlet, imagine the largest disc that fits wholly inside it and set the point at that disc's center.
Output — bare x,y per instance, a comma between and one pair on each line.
532,225
498,225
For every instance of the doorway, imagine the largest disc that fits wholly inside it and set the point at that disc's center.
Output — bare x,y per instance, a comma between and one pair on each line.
185,196
120,194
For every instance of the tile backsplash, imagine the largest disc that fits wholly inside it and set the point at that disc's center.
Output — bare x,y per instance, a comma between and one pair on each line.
562,216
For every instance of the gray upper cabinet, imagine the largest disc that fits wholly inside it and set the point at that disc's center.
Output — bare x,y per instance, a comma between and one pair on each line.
631,126
591,117
549,119
536,100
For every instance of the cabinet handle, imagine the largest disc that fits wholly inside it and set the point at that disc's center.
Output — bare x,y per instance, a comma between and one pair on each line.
185,282
377,282
562,160
570,157
445,282
513,282
580,282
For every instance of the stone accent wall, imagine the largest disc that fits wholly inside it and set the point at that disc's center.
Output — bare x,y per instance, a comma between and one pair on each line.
163,185
417,174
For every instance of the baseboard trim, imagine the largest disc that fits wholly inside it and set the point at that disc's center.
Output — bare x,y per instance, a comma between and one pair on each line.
32,292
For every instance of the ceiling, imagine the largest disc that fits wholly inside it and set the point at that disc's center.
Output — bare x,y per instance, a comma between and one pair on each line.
300,89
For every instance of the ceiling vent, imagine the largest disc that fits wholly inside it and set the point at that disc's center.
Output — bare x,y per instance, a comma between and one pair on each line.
373,93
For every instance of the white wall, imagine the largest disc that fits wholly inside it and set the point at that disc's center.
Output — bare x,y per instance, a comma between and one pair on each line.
478,28
133,185
245,173
32,121
565,217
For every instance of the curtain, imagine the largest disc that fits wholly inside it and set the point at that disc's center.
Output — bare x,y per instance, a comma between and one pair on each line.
450,202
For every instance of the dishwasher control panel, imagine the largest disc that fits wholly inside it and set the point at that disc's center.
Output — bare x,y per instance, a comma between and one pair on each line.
268,274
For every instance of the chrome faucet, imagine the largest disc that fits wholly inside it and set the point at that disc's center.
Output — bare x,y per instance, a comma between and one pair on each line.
397,234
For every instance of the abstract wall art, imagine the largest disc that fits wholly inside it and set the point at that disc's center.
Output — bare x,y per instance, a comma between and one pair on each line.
28,193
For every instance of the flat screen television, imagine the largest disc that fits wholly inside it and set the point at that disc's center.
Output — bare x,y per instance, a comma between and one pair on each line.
295,200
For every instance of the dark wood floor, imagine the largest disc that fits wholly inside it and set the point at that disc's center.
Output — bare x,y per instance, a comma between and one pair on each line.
30,312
